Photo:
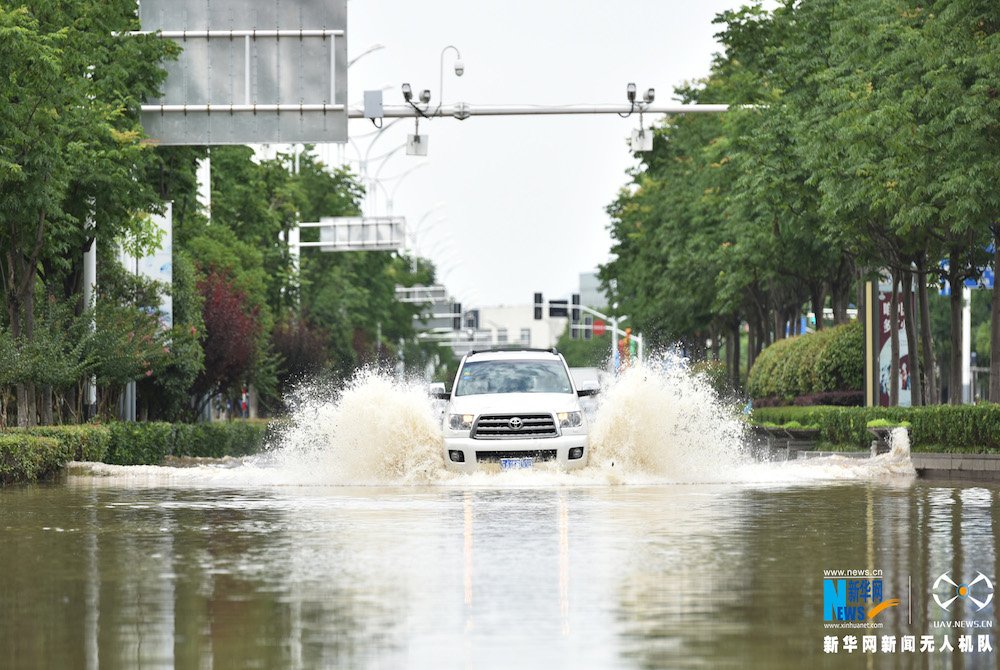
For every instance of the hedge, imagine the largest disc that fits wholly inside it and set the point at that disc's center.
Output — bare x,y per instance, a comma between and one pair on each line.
809,366
82,442
949,428
28,454
26,457
149,443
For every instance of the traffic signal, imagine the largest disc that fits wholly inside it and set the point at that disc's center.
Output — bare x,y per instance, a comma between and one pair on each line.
574,318
558,308
456,312
538,307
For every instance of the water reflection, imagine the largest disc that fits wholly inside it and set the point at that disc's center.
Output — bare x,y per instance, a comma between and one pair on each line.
668,576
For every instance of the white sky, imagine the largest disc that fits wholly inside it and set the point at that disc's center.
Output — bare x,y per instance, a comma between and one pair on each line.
523,197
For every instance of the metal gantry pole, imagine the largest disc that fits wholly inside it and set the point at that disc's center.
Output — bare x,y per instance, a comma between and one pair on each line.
966,344
90,302
464,110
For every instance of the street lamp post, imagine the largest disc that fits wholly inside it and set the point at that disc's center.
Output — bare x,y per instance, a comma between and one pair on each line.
372,48
459,71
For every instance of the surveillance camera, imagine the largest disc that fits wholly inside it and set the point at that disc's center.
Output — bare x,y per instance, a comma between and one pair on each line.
425,96
630,92
650,95
407,93
459,67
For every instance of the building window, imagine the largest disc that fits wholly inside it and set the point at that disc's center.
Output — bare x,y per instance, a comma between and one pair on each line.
526,336
501,335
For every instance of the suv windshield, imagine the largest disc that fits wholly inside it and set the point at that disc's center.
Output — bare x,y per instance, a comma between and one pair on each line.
507,376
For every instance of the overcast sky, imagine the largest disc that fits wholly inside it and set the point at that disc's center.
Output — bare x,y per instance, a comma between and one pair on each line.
520,200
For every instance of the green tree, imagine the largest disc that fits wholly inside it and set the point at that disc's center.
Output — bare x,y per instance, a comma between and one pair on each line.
69,143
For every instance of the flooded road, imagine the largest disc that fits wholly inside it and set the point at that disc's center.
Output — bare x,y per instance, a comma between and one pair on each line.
349,546
97,574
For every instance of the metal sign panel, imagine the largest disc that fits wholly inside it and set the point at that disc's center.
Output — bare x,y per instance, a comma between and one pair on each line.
250,71
422,294
355,233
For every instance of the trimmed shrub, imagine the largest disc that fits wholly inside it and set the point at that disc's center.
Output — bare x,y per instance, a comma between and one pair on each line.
950,428
139,443
838,398
86,442
215,440
841,367
828,361
763,379
25,457
143,443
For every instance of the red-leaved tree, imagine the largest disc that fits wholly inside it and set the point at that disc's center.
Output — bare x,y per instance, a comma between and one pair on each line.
303,350
231,333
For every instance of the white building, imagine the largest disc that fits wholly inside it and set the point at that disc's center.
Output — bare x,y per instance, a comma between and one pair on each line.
513,325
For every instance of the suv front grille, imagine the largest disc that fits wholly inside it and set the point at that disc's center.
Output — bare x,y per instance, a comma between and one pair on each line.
495,456
505,426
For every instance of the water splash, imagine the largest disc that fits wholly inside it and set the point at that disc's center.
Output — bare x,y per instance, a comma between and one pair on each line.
376,430
660,421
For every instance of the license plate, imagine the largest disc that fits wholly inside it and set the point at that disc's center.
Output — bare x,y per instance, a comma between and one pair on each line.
516,463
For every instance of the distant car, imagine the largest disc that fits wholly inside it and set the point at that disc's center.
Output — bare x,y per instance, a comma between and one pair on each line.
513,409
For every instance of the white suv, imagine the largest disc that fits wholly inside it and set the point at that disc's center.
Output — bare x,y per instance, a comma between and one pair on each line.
513,409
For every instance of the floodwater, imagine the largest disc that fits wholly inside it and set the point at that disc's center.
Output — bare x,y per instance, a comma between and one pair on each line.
675,549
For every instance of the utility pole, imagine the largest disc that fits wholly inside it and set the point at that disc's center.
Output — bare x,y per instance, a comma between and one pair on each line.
90,302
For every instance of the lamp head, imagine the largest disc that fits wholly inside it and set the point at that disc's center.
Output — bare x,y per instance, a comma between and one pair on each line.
459,67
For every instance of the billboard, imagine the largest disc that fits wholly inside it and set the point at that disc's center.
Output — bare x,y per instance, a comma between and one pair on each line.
878,346
884,347
250,71
157,265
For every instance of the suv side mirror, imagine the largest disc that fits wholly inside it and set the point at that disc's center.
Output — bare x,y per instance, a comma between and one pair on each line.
438,392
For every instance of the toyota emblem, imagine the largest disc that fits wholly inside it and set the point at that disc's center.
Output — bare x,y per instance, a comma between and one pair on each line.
516,423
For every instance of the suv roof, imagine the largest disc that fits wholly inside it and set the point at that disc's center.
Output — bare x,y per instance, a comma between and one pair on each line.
508,353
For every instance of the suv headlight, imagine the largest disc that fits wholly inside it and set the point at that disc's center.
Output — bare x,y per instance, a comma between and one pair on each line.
460,421
570,419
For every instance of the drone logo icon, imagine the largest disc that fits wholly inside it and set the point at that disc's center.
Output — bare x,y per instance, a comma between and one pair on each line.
955,591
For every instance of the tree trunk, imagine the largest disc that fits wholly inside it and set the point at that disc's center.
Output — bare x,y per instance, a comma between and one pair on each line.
779,327
840,288
909,323
751,344
926,343
955,374
839,305
818,298
46,408
894,341
23,406
735,378
23,328
995,324
860,297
